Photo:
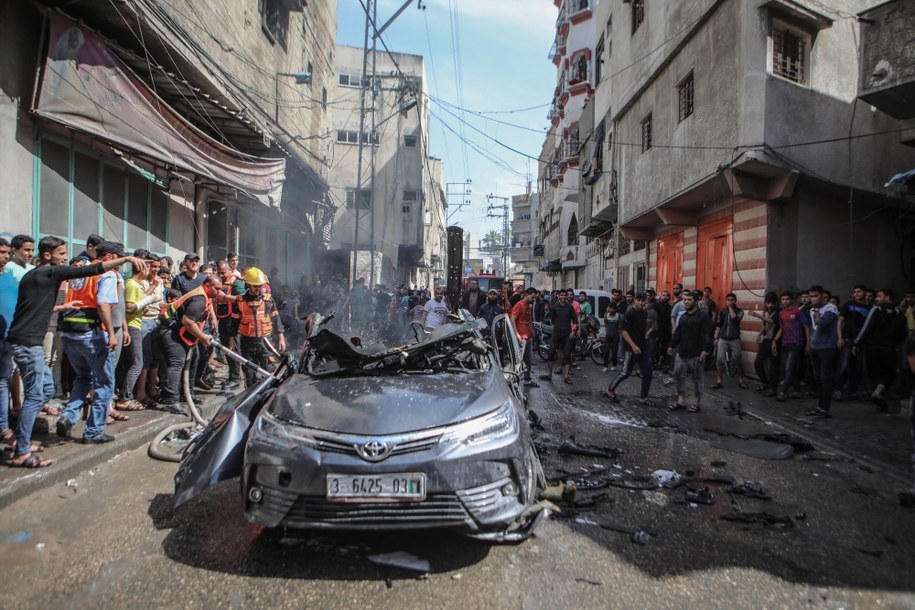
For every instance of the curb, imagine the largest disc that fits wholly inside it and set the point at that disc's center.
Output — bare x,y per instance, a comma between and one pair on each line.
89,457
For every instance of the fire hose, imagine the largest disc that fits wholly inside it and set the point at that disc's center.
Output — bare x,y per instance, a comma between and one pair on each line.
197,419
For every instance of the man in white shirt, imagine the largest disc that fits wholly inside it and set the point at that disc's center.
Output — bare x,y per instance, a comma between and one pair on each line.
22,248
435,309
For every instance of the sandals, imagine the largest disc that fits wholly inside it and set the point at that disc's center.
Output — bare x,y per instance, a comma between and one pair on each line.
130,405
818,414
743,385
693,408
676,406
716,386
646,402
8,436
611,396
33,461
116,416
567,380
545,377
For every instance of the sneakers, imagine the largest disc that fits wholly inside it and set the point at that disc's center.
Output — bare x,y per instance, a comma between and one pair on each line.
173,407
231,384
604,369
98,440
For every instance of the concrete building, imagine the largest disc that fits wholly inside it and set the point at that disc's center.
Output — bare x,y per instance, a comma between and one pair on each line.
524,225
387,189
560,173
181,126
736,153
432,270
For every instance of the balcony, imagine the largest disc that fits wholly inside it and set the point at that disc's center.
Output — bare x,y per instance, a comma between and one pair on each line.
579,75
573,257
887,64
562,20
579,11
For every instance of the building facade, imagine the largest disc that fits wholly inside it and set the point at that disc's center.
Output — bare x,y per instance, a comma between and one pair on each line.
525,211
737,155
177,127
565,252
378,177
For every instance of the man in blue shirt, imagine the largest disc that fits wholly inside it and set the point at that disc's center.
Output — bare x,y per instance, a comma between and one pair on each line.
824,318
9,288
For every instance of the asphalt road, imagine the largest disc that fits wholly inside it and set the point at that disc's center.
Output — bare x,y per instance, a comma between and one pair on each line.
110,539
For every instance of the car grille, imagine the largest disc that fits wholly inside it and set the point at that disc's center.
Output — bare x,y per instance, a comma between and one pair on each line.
400,443
483,499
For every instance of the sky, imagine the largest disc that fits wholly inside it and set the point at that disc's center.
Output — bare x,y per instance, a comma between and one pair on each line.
485,61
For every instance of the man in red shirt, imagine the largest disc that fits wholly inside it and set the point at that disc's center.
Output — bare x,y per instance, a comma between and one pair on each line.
522,319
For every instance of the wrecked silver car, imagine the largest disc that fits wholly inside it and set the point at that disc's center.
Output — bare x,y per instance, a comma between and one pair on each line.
433,433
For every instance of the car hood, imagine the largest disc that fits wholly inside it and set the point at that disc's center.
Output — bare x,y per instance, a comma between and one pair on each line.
388,404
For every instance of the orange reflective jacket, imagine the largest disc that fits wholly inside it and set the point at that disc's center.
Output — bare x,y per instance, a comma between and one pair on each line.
255,318
85,318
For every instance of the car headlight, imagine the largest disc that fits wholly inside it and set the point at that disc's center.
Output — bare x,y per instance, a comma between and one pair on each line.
275,431
501,422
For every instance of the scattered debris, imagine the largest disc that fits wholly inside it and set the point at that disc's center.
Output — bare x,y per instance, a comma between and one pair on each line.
720,480
822,456
18,537
588,582
564,492
400,559
585,521
766,519
570,447
535,421
668,479
583,482
637,536
800,445
764,450
542,448
40,546
865,491
718,464
656,497
456,576
734,409
748,490
700,496
872,553
801,516
590,501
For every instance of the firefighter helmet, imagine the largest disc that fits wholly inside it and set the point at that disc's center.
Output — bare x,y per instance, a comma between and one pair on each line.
255,277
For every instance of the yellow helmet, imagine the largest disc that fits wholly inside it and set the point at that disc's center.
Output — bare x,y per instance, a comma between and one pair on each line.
255,277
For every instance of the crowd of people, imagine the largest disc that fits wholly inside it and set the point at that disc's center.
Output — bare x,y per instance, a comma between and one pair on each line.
109,332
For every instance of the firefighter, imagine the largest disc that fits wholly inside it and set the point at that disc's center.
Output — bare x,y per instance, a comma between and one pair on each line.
227,323
181,329
258,318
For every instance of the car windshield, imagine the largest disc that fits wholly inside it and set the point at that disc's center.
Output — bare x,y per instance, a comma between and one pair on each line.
453,347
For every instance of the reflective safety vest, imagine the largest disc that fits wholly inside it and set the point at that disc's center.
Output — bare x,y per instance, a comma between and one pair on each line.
224,308
85,318
173,315
255,318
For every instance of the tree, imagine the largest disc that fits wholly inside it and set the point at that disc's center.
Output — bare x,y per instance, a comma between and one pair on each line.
492,241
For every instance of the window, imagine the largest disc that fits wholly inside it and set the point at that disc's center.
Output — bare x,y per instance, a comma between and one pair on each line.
790,48
349,80
685,97
324,98
406,209
410,195
410,141
345,136
599,61
646,133
274,21
638,14
362,196
572,236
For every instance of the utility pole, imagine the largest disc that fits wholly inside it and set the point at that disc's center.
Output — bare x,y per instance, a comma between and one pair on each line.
463,192
504,208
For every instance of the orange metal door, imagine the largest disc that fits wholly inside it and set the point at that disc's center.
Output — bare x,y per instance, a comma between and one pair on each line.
670,261
715,265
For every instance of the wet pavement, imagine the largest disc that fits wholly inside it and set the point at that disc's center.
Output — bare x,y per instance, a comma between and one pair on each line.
109,537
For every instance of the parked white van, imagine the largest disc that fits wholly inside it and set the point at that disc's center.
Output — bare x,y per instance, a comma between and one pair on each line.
599,300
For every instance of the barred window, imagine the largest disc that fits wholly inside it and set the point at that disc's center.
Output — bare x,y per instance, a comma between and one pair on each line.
646,133
685,97
789,53
362,197
638,14
410,195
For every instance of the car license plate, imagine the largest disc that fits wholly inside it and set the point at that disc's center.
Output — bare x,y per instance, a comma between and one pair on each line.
391,487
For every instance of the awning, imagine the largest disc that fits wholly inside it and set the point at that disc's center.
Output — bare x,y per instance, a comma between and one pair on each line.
552,266
596,228
86,87
902,184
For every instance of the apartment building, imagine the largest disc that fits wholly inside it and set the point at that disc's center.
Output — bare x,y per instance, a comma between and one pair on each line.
174,126
381,180
736,152
525,210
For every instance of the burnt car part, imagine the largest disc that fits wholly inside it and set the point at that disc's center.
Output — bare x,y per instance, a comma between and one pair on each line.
365,437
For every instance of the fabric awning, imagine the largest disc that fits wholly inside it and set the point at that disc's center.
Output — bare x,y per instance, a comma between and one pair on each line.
86,87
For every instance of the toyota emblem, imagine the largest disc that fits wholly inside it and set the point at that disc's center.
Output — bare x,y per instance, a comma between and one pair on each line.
373,451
